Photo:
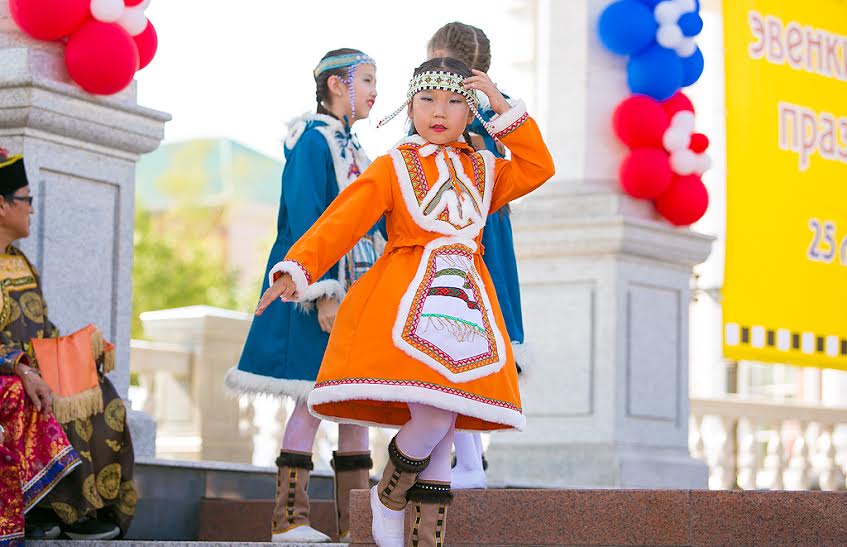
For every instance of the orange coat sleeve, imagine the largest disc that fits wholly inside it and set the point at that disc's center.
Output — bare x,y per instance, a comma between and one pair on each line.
347,219
531,164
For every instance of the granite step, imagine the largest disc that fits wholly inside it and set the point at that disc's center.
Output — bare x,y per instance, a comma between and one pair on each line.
250,520
632,517
131,543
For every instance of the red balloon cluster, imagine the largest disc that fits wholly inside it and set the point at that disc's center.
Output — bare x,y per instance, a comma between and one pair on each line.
666,157
102,55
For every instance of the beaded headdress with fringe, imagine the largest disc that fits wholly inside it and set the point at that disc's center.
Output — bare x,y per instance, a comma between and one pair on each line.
439,79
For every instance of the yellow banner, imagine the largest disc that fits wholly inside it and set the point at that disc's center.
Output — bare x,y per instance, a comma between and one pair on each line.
785,287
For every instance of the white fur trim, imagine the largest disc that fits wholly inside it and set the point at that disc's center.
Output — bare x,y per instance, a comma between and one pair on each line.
430,222
523,357
405,308
297,125
239,383
293,269
510,419
501,121
316,291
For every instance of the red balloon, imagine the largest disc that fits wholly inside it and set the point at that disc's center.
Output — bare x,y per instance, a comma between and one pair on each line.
640,122
101,57
130,3
678,102
699,143
646,173
147,43
49,19
685,202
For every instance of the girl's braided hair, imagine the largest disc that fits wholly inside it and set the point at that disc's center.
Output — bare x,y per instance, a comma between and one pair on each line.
322,79
464,42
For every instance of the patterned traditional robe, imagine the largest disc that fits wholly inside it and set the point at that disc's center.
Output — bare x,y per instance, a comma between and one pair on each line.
423,325
103,480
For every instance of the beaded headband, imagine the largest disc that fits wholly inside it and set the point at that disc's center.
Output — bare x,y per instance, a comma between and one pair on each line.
341,61
446,81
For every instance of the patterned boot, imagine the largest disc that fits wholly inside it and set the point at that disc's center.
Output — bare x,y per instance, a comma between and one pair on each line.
388,498
291,511
352,471
429,520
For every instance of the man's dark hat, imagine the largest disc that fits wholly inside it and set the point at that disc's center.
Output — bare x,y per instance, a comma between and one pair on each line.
12,175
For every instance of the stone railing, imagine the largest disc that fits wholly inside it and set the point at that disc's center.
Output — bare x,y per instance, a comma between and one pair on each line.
762,444
180,371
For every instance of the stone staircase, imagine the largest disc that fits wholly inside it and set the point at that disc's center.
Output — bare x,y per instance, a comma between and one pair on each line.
633,517
202,504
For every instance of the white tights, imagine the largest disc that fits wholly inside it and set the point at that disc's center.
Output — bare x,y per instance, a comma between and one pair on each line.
429,432
301,428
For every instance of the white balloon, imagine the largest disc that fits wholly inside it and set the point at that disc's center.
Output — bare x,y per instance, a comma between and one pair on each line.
133,20
676,139
686,47
667,13
670,36
686,6
143,5
684,119
684,162
107,11
704,163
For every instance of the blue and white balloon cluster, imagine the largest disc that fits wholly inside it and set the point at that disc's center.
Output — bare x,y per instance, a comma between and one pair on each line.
659,38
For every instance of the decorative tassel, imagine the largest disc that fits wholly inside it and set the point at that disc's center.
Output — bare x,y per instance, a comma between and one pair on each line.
79,406
108,358
96,343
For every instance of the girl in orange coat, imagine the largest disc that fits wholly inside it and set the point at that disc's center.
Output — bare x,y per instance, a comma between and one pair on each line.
419,340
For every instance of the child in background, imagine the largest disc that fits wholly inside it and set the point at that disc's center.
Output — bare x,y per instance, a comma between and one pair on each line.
471,46
284,347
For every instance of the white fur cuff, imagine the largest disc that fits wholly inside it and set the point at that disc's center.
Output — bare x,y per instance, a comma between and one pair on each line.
328,287
505,123
297,272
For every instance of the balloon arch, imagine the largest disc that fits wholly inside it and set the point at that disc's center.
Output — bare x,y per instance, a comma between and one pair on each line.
107,41
667,156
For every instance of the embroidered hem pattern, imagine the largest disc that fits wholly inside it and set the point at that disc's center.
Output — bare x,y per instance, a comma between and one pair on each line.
417,384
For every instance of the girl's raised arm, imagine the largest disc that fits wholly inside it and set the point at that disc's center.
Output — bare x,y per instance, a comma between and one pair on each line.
531,164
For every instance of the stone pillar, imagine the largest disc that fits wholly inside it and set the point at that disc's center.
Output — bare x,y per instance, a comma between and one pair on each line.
605,288
81,152
215,337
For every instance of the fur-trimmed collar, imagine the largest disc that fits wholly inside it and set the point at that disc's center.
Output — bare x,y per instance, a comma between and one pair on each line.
427,148
296,126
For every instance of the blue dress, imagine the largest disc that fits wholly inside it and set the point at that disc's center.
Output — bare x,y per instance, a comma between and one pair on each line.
499,257
285,345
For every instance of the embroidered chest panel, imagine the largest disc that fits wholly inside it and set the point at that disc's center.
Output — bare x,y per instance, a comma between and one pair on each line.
456,202
446,317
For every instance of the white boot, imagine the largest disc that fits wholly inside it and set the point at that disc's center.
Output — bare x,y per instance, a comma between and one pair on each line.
300,534
387,526
468,472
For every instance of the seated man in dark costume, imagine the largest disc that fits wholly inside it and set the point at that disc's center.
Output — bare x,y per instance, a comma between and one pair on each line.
96,500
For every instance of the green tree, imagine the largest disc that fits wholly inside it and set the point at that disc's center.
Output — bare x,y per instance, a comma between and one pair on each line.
177,263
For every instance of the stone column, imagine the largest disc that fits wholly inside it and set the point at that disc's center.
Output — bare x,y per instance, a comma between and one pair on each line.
81,152
605,288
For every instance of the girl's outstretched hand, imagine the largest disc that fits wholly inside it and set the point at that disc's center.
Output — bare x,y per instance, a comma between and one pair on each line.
482,82
283,288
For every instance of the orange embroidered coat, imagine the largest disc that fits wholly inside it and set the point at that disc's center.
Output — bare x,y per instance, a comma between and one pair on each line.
423,325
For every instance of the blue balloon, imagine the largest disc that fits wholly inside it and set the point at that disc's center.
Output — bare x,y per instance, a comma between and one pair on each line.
656,72
692,68
651,3
691,23
627,27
